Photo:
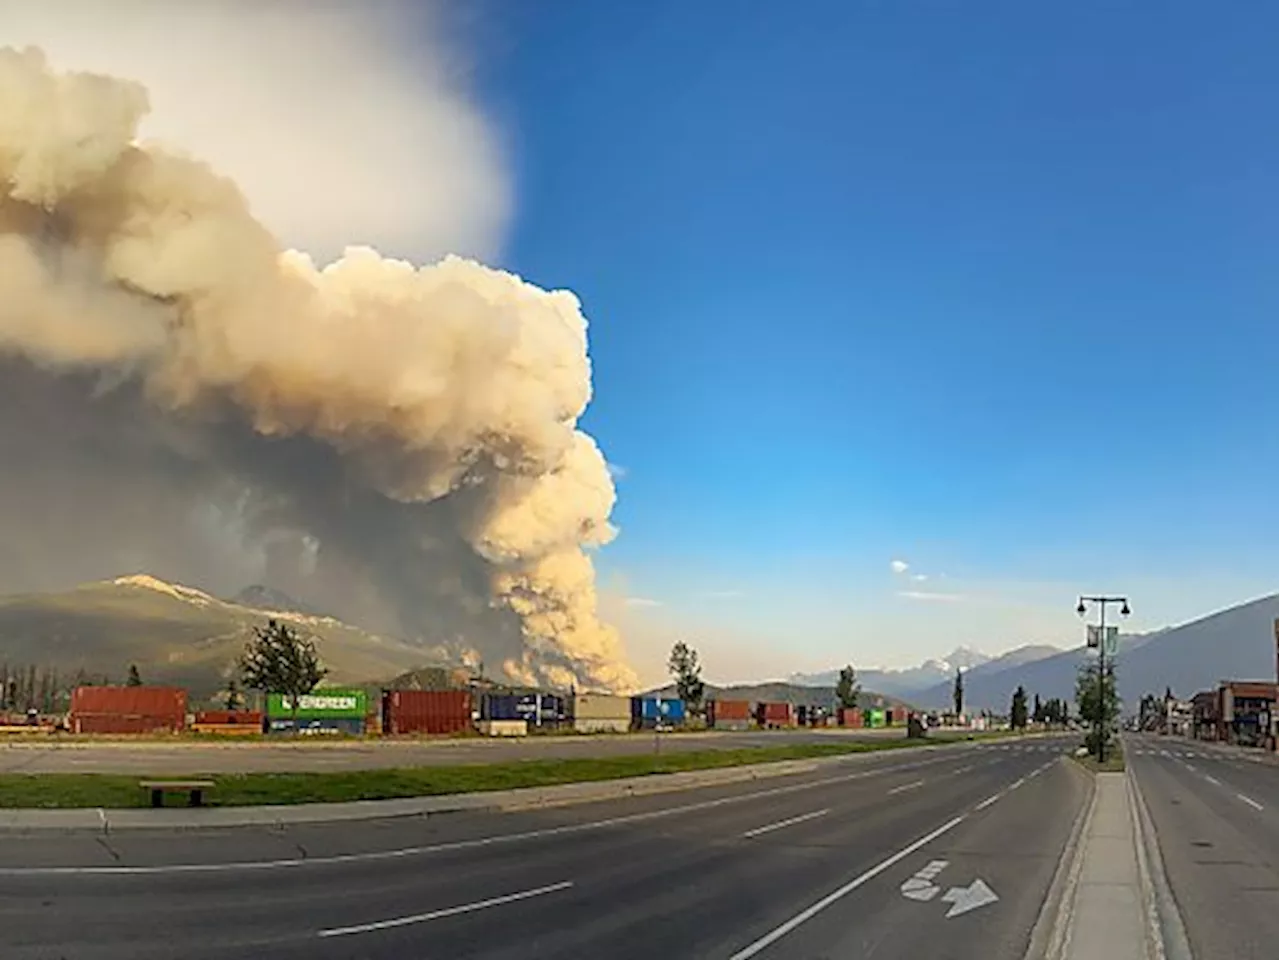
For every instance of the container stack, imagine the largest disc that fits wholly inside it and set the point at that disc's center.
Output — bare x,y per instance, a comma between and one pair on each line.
320,712
775,715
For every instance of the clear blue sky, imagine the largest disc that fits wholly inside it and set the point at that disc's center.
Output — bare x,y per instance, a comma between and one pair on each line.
989,288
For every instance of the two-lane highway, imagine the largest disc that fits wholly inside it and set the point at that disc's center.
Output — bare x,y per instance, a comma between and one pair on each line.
1215,815
944,853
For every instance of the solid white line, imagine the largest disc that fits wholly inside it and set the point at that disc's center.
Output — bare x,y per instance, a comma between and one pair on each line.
905,787
785,823
751,949
1253,803
376,855
448,912
1216,782
989,801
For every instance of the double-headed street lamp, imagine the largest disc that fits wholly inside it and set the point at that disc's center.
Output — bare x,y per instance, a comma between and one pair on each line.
1102,661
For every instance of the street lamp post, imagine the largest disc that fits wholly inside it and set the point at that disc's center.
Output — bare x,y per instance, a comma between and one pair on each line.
1081,609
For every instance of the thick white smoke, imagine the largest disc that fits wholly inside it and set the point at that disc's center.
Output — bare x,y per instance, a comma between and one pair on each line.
398,442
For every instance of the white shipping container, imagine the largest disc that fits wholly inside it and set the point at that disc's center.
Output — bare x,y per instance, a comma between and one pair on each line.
602,706
602,724
504,728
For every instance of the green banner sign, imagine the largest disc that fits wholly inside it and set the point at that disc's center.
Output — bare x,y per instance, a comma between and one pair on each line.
320,703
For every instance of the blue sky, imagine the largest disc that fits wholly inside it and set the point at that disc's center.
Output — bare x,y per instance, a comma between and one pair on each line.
987,288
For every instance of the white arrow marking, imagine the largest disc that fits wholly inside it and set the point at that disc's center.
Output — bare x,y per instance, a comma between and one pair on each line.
917,889
919,886
964,899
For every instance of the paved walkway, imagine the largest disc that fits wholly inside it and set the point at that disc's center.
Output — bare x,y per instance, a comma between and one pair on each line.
1107,916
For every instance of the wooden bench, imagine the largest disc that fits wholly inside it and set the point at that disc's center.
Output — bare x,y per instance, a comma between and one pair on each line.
193,788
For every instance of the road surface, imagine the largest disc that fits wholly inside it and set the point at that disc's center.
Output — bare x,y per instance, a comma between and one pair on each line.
1215,815
290,756
939,854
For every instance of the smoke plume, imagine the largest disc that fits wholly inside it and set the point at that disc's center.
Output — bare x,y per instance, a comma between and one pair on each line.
395,444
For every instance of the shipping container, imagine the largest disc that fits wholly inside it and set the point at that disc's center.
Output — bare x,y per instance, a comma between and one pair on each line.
130,701
873,718
125,723
322,703
850,717
504,728
649,712
729,714
316,726
228,717
601,706
602,724
536,709
428,711
775,715
227,729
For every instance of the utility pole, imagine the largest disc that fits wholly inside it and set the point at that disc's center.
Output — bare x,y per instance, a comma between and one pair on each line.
1101,720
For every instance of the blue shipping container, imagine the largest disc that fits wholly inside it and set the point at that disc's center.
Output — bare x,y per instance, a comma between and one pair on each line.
650,710
500,706
538,709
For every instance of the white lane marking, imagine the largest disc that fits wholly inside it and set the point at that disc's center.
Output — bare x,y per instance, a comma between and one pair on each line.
1214,780
964,899
1253,803
989,801
960,770
751,949
401,852
448,912
905,787
1017,783
767,828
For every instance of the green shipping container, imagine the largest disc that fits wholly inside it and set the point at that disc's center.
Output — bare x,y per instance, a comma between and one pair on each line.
321,704
873,718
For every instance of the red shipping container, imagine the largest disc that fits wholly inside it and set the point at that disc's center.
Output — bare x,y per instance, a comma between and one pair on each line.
130,701
775,714
426,711
728,710
850,717
124,723
251,718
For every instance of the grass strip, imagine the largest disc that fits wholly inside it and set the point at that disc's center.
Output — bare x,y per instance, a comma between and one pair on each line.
1113,764
63,790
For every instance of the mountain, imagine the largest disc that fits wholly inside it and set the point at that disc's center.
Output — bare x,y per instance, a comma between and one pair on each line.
1236,643
911,681
177,634
266,598
779,691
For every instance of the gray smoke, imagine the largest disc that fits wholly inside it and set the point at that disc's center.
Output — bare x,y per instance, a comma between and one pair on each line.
178,394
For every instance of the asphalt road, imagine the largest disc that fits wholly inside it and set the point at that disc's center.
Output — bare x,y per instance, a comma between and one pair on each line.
1215,815
812,866
195,756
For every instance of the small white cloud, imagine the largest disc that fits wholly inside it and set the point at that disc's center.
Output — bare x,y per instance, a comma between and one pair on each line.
919,577
899,566
928,597
616,471
721,594
642,602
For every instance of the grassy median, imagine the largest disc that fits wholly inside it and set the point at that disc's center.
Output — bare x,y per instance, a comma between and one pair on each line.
61,790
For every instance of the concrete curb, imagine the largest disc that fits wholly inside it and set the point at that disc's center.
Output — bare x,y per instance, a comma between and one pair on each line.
1166,935
1049,935
280,815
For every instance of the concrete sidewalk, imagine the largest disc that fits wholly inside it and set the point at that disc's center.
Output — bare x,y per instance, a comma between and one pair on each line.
1106,917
